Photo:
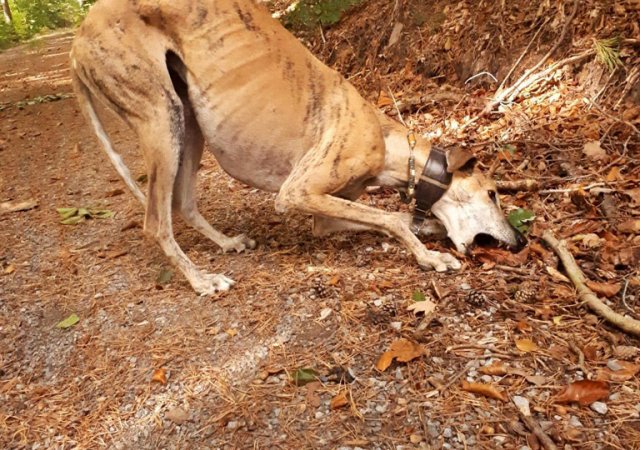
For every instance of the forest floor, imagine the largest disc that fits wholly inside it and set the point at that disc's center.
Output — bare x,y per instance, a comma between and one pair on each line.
151,365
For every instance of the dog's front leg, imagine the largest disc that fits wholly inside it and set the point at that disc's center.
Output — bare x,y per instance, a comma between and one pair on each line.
323,226
293,195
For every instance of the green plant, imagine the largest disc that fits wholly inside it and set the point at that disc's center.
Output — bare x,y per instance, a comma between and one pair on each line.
311,13
608,52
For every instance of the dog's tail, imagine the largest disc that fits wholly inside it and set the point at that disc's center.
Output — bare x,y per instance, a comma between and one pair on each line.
85,99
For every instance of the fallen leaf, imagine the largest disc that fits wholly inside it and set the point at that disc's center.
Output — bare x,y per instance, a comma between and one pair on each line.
177,415
9,269
629,226
625,351
614,174
424,306
339,400
231,332
159,376
304,375
523,326
68,322
626,372
584,392
520,219
418,296
403,350
9,207
164,276
487,390
589,240
334,280
594,151
526,345
496,368
634,194
556,275
490,255
312,398
606,289
384,99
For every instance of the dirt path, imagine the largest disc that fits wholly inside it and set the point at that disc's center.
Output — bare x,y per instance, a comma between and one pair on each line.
333,305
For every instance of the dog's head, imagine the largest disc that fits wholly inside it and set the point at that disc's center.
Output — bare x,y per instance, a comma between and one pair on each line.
471,206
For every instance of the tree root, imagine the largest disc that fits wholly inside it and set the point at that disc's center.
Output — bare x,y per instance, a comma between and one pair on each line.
625,323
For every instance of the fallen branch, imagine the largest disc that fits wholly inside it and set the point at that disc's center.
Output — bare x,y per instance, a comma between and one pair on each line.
536,429
527,184
625,323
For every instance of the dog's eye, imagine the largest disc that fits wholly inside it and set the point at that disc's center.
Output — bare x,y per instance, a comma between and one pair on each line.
493,196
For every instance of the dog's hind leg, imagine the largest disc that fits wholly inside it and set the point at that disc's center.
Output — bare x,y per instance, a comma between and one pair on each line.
163,139
184,191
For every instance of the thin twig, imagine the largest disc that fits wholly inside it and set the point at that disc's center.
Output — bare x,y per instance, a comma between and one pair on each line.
625,323
523,80
527,184
536,429
519,60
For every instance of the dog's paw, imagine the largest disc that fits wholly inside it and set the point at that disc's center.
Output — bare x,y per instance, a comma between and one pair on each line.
440,262
213,283
239,243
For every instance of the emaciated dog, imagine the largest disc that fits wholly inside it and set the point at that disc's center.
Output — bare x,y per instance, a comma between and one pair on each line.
180,72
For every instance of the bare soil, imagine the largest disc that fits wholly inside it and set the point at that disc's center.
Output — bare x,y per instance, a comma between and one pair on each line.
333,305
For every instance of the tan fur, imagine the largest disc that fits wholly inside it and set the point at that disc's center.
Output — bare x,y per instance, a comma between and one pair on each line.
180,72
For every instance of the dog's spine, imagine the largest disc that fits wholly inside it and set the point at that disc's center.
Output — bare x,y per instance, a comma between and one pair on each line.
85,99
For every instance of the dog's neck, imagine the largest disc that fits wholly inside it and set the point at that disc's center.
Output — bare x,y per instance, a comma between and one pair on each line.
398,151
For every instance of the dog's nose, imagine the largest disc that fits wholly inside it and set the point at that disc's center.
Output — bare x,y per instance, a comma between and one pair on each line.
521,241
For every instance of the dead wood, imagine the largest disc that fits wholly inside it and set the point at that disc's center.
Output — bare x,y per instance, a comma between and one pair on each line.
527,184
536,429
578,278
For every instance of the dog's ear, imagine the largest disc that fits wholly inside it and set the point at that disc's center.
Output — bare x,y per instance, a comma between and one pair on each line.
460,159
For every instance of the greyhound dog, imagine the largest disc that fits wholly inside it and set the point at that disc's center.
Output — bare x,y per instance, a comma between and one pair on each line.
180,72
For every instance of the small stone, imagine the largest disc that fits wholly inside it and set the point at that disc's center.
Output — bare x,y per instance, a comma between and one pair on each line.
614,365
575,422
447,433
326,312
397,326
177,415
599,407
465,286
232,425
319,414
415,438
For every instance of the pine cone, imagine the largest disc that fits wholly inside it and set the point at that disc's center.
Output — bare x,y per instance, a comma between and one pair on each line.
382,314
524,295
476,298
320,289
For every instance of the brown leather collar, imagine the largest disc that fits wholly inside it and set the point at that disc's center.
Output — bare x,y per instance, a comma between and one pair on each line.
431,186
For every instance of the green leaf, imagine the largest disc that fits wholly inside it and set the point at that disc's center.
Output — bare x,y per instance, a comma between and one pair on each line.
164,277
418,296
65,213
68,322
73,220
101,213
510,148
303,376
520,218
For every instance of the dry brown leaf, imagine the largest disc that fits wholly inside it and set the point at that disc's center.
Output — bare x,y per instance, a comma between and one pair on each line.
159,376
496,368
584,392
606,289
526,345
557,275
339,400
403,350
490,255
9,207
488,390
594,151
425,306
523,326
631,226
625,351
634,194
614,174
627,371
384,99
9,269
